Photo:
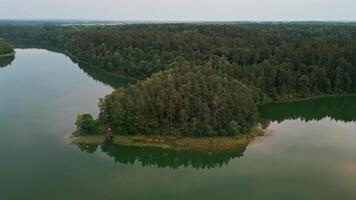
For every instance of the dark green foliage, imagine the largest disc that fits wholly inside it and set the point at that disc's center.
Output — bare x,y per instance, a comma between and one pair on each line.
205,80
185,100
168,158
141,50
338,108
5,61
234,128
86,125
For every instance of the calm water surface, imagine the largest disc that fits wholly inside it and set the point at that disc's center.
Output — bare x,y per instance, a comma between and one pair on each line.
309,154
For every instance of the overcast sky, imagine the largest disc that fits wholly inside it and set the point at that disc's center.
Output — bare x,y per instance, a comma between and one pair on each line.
207,10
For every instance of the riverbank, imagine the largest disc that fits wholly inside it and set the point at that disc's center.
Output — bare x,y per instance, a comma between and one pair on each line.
66,52
310,98
61,49
173,143
8,55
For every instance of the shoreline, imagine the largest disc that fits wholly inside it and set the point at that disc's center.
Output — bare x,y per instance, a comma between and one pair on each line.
8,55
210,144
215,144
70,55
310,98
66,52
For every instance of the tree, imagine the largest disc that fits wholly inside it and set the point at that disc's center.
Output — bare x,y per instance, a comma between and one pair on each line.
234,128
86,125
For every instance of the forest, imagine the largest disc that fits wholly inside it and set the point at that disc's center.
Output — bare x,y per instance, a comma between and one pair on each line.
203,80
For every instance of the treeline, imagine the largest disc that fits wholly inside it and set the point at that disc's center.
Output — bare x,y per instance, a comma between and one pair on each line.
5,47
140,50
205,80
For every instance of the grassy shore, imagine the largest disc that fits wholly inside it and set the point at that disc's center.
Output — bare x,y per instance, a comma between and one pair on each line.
174,143
8,55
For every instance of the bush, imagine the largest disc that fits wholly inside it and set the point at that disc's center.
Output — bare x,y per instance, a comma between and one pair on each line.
234,128
86,125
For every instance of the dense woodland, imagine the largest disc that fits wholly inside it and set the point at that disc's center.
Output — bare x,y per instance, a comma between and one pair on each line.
185,99
203,80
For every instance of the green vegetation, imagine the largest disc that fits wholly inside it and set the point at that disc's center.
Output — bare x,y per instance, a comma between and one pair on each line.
86,125
6,50
185,100
204,80
97,73
219,144
5,61
7,53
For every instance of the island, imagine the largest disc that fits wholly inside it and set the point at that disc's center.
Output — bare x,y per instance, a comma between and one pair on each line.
201,81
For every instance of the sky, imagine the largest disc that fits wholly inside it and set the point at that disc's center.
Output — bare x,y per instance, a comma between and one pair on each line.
181,10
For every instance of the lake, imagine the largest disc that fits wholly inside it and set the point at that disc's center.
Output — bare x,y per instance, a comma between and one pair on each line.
309,152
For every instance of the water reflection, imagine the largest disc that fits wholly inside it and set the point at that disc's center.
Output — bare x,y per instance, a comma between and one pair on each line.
163,158
337,108
340,108
99,75
95,73
5,61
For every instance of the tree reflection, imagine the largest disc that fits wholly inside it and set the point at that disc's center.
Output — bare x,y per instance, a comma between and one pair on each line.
5,61
99,75
163,158
340,108
95,73
88,148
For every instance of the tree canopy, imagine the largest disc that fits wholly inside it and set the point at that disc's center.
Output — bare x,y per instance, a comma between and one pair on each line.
184,100
205,80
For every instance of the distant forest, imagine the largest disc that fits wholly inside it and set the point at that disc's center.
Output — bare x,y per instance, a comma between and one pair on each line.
203,80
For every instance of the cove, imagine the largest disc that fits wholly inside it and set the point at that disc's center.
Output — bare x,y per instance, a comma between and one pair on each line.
310,153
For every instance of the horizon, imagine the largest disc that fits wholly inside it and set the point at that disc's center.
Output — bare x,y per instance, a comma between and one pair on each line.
180,10
113,22
165,20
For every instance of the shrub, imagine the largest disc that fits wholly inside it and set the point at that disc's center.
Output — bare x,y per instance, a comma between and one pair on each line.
234,128
86,125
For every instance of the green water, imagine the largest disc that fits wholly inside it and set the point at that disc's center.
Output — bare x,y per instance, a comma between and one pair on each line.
309,154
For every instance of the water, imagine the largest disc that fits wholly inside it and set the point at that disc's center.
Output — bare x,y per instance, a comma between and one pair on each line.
309,153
